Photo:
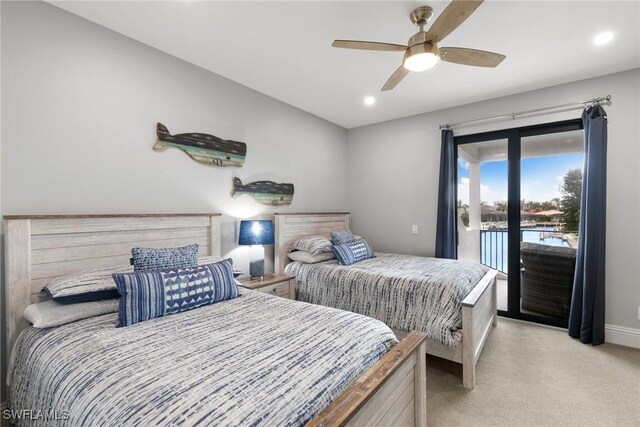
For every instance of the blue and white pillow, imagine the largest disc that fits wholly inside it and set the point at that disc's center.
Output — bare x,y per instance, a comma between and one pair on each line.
340,237
85,286
314,245
148,259
352,252
150,294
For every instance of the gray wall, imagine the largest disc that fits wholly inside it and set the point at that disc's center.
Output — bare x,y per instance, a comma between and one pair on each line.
80,105
79,109
393,177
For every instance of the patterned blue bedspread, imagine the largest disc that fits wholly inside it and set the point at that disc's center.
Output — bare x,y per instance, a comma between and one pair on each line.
256,360
405,292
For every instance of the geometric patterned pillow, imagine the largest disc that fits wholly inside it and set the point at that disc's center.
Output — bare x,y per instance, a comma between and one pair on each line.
352,252
150,294
145,259
314,244
340,237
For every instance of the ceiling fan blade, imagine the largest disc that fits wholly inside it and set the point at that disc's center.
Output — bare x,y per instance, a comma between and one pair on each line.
363,45
477,58
395,78
451,18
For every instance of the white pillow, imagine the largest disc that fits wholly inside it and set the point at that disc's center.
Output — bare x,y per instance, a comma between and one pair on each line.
50,313
309,258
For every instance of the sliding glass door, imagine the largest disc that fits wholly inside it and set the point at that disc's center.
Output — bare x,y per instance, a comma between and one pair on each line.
517,192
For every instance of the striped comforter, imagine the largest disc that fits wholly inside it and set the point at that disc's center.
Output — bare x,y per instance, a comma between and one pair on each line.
256,360
406,292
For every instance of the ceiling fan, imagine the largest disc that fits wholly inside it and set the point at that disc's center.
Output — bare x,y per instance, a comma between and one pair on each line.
422,52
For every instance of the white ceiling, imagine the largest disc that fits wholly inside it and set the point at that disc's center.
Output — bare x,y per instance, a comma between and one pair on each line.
551,144
283,49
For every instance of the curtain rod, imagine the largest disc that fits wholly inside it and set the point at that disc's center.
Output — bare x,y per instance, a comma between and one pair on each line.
595,101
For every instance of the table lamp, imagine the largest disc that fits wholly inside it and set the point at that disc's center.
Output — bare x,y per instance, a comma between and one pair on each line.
256,233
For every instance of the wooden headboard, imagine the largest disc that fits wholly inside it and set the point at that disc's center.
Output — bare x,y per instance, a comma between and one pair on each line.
293,226
40,248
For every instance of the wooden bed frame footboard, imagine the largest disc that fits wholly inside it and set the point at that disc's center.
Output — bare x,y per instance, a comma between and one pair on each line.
479,308
479,315
393,392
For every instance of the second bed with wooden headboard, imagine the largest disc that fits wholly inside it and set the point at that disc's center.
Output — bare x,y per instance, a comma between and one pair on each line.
388,287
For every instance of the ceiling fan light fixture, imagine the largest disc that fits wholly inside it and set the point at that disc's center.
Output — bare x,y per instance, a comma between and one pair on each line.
421,57
421,51
421,61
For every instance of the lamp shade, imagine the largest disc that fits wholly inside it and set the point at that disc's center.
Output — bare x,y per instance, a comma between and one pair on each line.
256,232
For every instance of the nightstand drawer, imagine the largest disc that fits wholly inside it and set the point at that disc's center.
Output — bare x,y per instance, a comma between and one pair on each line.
280,285
279,289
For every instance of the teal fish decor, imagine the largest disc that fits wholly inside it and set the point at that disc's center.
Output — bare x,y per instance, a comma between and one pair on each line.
203,148
266,192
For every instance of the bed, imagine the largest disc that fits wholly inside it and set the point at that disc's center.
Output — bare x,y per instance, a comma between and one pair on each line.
253,360
453,302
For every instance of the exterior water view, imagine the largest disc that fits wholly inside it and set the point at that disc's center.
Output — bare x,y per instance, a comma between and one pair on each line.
548,216
493,244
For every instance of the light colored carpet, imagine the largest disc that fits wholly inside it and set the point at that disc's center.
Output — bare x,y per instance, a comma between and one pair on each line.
529,375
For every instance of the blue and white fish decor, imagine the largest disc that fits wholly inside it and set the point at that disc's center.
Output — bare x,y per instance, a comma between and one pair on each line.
266,192
202,147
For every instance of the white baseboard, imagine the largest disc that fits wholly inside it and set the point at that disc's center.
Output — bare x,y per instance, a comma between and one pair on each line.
622,335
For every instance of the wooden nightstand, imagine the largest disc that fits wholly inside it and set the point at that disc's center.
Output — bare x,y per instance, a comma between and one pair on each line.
282,285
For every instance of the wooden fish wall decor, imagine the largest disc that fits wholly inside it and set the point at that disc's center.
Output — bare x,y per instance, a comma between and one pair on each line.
266,192
203,148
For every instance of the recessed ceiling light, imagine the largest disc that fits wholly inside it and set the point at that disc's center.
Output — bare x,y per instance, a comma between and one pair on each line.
369,101
603,38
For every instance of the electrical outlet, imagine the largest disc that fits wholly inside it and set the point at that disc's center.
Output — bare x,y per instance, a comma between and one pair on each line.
639,312
414,229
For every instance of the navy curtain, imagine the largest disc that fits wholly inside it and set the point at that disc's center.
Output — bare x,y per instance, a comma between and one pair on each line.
586,319
446,226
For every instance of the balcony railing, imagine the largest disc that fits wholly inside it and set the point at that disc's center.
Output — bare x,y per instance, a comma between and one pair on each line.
493,249
494,244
